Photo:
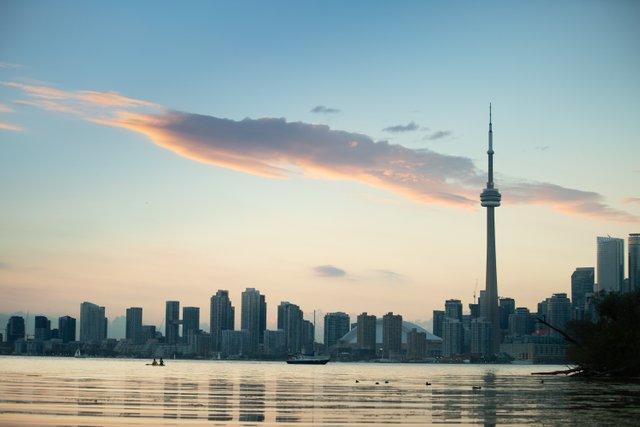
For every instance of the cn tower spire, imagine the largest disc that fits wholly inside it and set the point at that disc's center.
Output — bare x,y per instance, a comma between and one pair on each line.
490,199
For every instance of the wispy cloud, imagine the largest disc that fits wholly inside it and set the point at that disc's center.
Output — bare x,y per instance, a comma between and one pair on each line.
329,271
409,127
5,108
438,135
275,148
541,147
389,275
323,109
9,65
10,127
631,200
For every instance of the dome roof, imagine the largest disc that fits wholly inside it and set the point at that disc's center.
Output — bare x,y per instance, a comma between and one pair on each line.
351,337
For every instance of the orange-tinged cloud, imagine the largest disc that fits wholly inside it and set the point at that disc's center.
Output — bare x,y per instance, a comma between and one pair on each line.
11,127
275,148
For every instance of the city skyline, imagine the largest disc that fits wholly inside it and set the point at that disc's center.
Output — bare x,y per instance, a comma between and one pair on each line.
148,184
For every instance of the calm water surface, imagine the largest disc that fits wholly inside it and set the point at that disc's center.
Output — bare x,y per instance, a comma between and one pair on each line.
67,391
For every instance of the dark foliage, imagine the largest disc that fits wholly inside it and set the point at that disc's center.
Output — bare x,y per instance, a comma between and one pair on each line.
610,346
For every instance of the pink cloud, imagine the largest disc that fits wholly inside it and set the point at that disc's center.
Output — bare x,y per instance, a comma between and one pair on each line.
11,127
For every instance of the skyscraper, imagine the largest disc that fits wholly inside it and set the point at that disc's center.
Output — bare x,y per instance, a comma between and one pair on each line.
290,321
308,337
634,262
481,330
93,323
172,322
416,345
391,334
453,309
251,317
190,322
610,264
133,330
582,282
336,325
490,199
506,307
222,317
15,329
438,320
42,328
67,328
558,312
366,338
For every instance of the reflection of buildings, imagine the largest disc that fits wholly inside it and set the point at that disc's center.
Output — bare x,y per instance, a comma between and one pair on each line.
219,392
251,401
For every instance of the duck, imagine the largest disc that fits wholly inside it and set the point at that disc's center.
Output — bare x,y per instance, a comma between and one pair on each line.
476,387
377,383
427,383
357,381
386,381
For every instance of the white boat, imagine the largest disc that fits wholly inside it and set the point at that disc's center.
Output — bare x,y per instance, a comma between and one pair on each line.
78,354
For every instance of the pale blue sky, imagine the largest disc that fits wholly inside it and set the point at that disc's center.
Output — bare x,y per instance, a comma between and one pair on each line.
94,210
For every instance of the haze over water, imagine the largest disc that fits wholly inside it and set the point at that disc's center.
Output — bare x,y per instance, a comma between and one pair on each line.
62,391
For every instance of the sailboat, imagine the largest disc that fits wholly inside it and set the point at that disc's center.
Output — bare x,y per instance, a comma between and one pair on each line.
309,360
78,354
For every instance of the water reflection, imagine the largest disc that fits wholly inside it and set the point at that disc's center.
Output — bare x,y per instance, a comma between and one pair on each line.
219,393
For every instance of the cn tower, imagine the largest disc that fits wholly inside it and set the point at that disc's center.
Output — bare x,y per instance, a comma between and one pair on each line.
490,199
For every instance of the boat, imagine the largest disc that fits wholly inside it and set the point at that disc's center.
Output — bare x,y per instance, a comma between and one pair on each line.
308,360
77,354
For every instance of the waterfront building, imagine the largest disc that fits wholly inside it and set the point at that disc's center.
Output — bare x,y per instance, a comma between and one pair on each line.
235,343
172,322
148,333
558,312
290,321
15,329
222,317
190,323
133,331
582,283
416,345
251,319
481,341
366,332
535,349
42,328
438,320
275,343
199,342
520,322
67,329
474,310
634,262
453,337
336,325
93,323
308,337
610,264
490,199
506,307
453,309
391,335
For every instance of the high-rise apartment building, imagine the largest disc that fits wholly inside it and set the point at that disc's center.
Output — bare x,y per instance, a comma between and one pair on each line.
520,322
634,262
610,264
453,338
438,321
308,337
336,325
558,312
42,328
506,307
93,323
453,309
251,317
133,331
366,333
416,345
290,321
15,329
391,334
480,343
172,322
190,323
67,329
582,283
222,317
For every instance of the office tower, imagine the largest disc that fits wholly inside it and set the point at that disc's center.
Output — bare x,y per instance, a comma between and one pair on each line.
391,334
490,199
582,283
506,307
366,338
308,337
416,345
482,303
481,341
275,343
438,320
235,343
133,331
263,317
190,323
610,264
42,328
336,325
251,317
520,322
15,329
172,322
222,317
634,262
67,329
474,310
148,333
453,337
290,321
453,309
93,323
558,312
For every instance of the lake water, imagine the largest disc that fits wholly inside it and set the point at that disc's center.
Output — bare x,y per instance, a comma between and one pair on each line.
63,391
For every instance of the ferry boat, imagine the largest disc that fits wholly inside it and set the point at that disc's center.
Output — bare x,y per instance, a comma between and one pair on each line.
308,360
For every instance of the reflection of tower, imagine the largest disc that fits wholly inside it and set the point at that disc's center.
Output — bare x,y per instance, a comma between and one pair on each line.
490,199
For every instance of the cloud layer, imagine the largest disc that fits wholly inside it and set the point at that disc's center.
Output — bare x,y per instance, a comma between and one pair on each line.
409,127
276,148
322,109
329,271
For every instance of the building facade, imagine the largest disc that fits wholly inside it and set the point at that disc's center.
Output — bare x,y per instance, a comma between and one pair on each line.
93,323
391,334
133,330
190,323
221,318
610,264
366,332
252,314
336,325
172,322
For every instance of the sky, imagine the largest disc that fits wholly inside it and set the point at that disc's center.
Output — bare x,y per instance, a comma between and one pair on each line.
330,154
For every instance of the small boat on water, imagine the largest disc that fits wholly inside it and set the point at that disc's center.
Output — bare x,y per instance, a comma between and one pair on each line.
308,360
77,354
